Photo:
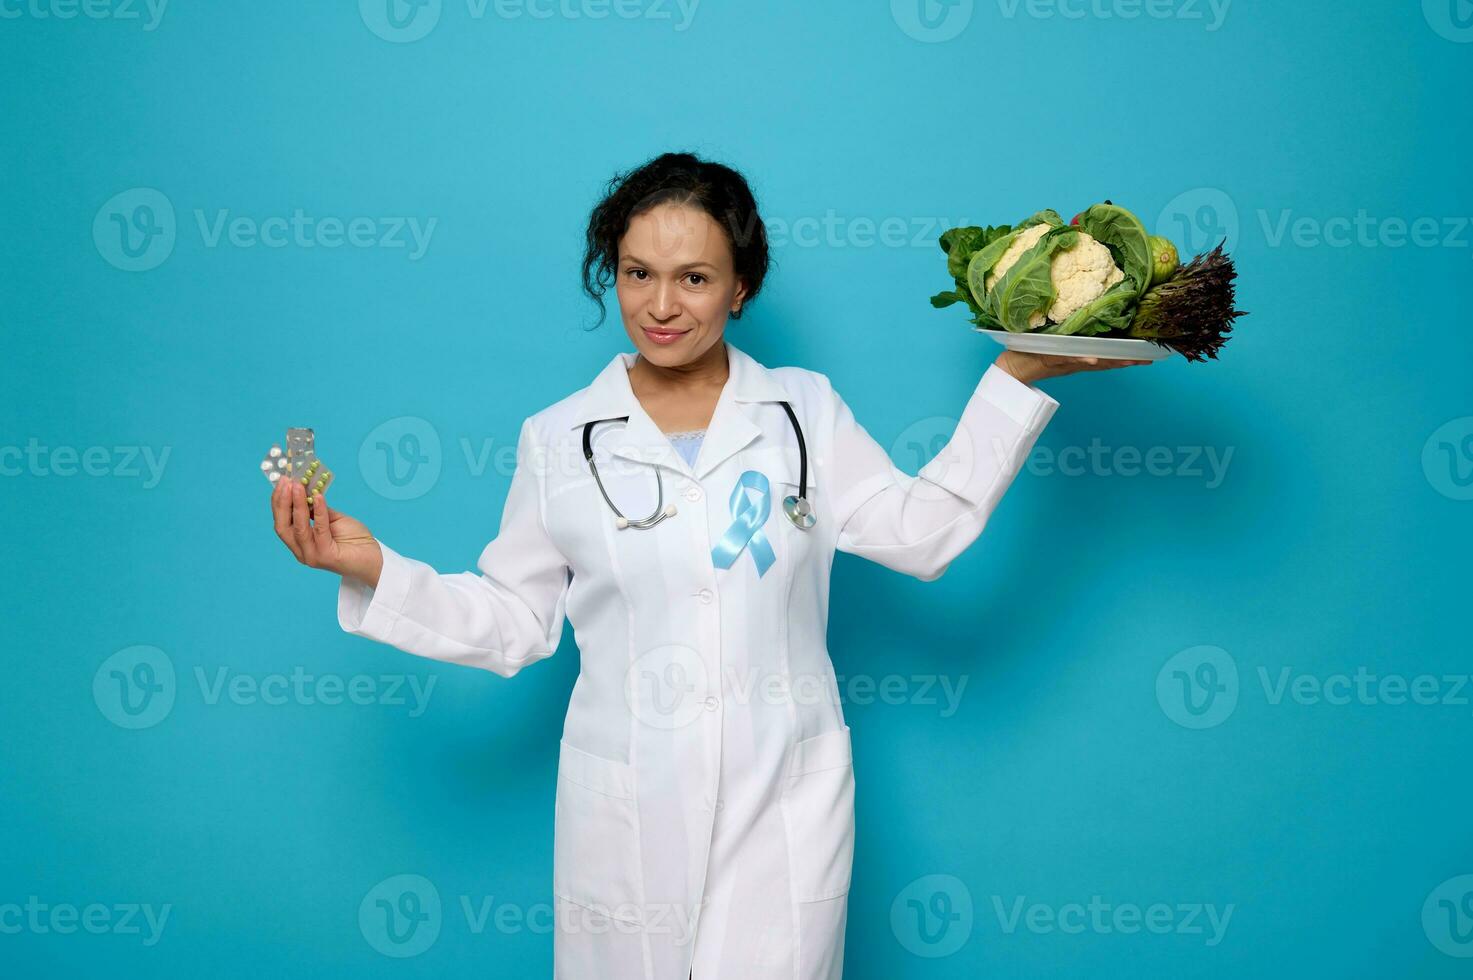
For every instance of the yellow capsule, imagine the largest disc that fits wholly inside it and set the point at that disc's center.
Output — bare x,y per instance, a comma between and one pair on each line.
320,484
314,465
304,481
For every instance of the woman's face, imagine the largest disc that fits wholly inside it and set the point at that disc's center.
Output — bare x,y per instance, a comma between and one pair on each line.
676,284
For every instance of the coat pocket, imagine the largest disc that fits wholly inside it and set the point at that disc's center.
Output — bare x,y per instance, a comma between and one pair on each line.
818,807
596,835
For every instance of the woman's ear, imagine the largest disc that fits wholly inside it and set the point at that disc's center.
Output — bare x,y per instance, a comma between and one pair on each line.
741,292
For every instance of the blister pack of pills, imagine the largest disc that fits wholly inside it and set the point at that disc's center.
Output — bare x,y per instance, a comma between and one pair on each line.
298,462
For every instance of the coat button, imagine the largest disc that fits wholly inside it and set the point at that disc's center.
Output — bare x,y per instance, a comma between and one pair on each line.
693,493
711,704
705,595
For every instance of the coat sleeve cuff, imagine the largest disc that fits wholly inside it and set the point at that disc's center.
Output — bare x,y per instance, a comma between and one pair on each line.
1022,403
364,610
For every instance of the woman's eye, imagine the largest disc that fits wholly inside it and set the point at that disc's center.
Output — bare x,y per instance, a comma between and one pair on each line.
636,273
694,276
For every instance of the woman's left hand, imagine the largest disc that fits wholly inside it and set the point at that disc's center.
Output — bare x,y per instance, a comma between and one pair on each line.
1029,368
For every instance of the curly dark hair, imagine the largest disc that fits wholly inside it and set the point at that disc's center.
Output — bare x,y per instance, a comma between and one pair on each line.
676,178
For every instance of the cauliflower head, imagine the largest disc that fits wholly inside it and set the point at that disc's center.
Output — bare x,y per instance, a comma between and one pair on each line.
1079,276
1015,251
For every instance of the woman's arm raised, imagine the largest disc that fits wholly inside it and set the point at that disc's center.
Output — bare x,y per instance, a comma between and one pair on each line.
509,615
920,524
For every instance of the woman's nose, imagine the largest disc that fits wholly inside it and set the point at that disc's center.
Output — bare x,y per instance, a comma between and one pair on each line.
667,301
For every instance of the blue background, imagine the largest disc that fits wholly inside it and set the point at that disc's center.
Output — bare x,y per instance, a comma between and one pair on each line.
1325,548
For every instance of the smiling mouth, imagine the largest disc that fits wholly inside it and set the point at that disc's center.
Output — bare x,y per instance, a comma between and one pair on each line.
658,334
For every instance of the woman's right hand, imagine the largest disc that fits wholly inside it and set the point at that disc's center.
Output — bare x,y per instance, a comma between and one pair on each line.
334,541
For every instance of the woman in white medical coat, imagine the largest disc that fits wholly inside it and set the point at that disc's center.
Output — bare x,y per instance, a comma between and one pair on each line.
704,817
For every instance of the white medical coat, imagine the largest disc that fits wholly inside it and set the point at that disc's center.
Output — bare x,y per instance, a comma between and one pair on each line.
704,814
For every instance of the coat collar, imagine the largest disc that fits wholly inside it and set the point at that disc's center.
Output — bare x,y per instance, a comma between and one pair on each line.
731,428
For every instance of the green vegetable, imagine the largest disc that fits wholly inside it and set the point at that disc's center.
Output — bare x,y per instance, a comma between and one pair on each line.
962,245
1027,287
1102,274
1164,259
1111,312
1193,311
1062,273
1127,239
1130,246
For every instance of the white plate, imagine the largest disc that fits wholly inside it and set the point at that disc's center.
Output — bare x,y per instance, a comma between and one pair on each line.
1112,348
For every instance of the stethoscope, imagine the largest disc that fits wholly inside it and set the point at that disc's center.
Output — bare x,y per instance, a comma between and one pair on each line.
798,509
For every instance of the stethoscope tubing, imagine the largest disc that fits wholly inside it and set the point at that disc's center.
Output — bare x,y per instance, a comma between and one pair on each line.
661,512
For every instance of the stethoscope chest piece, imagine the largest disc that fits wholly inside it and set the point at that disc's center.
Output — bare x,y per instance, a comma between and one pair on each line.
800,512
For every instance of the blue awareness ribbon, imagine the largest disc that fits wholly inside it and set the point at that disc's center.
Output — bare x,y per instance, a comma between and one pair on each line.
747,518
